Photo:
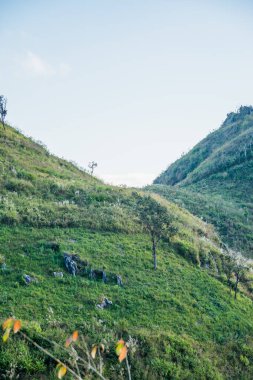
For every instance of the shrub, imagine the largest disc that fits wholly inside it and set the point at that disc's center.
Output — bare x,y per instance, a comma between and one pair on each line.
23,174
19,186
188,250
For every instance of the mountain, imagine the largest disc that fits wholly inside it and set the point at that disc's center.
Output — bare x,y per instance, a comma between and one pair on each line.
181,320
214,180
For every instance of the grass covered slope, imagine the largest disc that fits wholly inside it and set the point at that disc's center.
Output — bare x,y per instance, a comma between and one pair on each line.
230,145
233,223
39,189
185,322
214,180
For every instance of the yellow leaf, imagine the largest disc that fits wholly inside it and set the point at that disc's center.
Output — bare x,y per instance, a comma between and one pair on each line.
6,335
75,336
123,354
17,326
120,344
8,323
62,372
94,351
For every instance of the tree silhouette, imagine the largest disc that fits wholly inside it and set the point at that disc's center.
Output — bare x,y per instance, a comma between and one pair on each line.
92,165
3,109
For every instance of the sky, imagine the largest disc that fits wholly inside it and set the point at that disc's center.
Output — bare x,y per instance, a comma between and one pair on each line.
130,84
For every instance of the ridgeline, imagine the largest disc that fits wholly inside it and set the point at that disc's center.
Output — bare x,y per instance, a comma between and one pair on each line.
215,180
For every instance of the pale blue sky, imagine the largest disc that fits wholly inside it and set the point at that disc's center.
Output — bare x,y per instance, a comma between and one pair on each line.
130,84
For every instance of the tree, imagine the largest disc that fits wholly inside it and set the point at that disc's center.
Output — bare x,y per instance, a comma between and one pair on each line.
241,270
3,109
92,165
228,270
236,267
156,220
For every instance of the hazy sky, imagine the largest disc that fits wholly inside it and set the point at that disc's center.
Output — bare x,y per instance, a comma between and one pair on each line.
130,84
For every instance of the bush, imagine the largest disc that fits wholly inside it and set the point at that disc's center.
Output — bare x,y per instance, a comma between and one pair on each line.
23,174
19,186
8,212
188,251
17,356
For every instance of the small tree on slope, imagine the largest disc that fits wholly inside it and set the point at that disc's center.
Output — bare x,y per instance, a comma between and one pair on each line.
155,219
241,271
237,268
92,166
3,109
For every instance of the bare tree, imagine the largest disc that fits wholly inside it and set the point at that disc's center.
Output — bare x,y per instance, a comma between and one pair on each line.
92,165
3,109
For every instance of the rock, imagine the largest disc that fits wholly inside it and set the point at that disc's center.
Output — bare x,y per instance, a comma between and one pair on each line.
119,280
58,274
104,304
74,264
14,171
28,279
70,264
98,274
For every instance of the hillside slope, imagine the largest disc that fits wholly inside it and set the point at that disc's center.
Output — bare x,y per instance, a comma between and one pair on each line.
214,180
184,320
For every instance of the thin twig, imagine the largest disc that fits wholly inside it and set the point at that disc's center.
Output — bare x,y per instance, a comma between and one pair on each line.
89,359
128,369
50,355
100,361
45,351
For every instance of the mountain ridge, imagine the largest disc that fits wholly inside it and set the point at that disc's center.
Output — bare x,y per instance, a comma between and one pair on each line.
242,120
218,170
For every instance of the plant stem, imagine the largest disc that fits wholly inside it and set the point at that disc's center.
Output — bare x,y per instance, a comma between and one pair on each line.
128,369
45,351
50,355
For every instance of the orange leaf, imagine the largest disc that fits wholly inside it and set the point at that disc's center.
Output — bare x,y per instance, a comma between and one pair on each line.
75,336
8,323
123,354
120,344
6,335
68,342
17,326
62,372
94,351
72,338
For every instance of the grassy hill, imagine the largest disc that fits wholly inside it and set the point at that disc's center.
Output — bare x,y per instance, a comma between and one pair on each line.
182,317
214,180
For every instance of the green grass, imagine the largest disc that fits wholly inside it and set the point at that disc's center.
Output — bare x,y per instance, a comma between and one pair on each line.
179,307
232,221
186,323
